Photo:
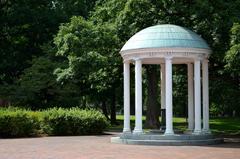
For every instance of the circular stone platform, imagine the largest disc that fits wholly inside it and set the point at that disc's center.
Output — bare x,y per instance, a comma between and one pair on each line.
160,139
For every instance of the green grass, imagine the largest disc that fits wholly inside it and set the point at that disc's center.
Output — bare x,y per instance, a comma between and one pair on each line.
219,126
226,126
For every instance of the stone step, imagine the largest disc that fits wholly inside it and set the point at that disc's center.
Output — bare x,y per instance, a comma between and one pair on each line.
164,137
167,142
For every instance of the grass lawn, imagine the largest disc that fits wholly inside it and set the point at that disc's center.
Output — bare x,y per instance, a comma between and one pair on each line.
218,126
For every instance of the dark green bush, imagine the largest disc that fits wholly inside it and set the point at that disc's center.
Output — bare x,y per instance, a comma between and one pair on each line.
19,123
58,121
16,122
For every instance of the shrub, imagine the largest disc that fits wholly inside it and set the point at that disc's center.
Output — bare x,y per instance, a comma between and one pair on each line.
16,122
74,121
19,123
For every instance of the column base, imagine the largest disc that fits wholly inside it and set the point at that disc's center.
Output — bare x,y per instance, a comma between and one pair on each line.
197,132
137,131
207,132
188,131
169,132
126,131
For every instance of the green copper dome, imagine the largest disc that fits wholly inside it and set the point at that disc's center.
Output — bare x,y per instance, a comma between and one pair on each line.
165,36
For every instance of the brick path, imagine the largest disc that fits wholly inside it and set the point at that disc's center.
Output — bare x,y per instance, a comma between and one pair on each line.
99,147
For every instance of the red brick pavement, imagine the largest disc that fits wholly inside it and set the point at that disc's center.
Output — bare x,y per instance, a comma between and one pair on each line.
99,147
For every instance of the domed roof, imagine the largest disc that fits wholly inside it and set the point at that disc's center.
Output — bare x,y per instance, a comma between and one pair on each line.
165,36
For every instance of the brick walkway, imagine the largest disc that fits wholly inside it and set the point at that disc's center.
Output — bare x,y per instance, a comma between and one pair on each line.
99,147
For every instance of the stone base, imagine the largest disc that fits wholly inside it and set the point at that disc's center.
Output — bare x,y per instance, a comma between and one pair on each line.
169,140
159,131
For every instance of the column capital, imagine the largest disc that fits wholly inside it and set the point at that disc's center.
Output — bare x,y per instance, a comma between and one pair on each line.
137,59
168,57
162,65
199,58
205,60
126,61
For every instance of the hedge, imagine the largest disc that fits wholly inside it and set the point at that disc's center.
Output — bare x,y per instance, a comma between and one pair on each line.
19,123
73,122
15,122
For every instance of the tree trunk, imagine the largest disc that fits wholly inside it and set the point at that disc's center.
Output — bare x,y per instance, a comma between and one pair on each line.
113,108
104,109
153,110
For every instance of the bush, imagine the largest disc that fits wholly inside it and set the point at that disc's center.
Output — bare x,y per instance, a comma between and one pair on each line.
16,122
58,121
19,123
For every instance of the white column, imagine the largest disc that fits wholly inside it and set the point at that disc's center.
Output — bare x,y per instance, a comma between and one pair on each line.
169,112
190,97
197,96
163,78
126,71
163,97
138,97
205,96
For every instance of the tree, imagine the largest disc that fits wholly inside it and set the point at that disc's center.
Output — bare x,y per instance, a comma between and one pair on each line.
27,25
37,87
139,14
232,67
232,56
93,59
89,64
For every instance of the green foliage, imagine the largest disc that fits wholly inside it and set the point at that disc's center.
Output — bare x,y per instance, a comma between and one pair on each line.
224,91
224,97
224,88
37,87
19,123
37,82
73,121
107,11
88,69
87,48
136,15
27,24
180,90
93,58
232,56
